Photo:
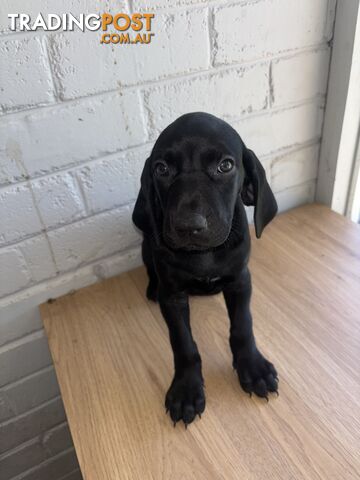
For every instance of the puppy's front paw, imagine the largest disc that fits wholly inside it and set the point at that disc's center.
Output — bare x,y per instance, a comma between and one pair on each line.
258,375
185,398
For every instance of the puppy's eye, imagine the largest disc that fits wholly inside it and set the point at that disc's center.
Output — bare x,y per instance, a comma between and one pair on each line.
226,165
161,169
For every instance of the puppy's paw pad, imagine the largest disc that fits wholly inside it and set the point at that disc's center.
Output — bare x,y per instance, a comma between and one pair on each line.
257,375
185,399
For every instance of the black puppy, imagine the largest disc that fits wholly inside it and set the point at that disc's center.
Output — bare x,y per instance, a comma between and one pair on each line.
190,209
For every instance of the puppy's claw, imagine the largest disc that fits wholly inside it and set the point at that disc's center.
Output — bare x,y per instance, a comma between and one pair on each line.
250,394
186,425
199,415
167,410
174,424
266,398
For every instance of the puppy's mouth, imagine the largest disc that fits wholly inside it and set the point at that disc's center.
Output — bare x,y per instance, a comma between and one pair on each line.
193,244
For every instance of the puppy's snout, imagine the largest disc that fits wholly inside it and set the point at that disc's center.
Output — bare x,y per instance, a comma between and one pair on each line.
193,223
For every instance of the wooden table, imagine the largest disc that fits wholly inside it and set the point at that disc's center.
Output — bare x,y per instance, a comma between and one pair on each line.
113,361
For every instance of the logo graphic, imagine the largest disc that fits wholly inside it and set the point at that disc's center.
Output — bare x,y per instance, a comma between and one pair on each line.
133,28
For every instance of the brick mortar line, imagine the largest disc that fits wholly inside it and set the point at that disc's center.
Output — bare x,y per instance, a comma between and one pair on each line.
82,194
80,164
68,474
150,143
21,380
38,439
297,185
212,36
44,463
30,411
29,337
218,68
25,172
45,45
73,222
4,301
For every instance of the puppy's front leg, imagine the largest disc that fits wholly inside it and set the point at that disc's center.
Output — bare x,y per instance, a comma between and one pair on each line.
256,374
185,397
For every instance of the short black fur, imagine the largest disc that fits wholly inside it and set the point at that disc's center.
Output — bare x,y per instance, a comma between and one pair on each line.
190,209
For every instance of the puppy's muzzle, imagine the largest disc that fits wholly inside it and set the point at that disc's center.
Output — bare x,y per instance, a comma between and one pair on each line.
192,224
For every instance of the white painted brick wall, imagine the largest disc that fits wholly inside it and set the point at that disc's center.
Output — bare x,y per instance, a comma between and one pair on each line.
264,28
77,121
102,68
299,77
18,213
100,180
228,94
109,232
58,199
24,60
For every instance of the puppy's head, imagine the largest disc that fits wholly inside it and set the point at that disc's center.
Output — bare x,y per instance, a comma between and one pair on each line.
198,170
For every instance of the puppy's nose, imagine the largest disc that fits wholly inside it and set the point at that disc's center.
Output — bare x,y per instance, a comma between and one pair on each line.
193,223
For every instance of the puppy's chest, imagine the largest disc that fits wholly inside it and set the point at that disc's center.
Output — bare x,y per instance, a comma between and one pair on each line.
203,275
204,285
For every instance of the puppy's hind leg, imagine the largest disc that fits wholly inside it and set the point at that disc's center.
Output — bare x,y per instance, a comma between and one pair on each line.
152,288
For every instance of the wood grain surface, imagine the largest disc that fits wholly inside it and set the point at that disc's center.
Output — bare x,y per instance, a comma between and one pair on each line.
114,364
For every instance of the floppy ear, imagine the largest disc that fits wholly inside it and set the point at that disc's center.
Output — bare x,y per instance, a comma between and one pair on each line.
143,215
257,192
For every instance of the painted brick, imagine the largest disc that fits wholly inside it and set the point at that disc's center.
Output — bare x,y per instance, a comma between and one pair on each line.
58,199
18,214
6,410
23,357
47,6
256,30
76,132
25,78
300,77
160,4
9,170
31,391
31,424
296,196
16,324
163,57
93,238
119,263
84,66
232,93
29,261
113,181
76,475
38,258
294,168
14,274
34,452
276,130
55,468
57,439
21,458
